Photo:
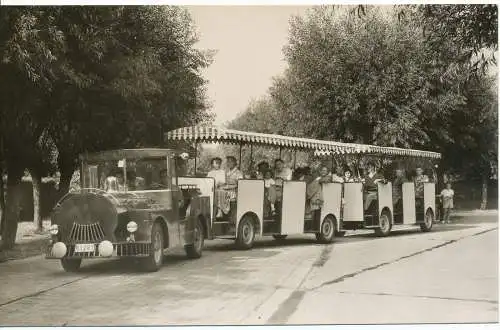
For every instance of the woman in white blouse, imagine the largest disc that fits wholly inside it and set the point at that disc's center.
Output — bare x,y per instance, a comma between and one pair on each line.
217,173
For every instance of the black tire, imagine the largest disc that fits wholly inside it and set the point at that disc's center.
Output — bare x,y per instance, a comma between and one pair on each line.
340,233
327,230
385,225
194,251
246,233
71,265
280,237
426,226
155,259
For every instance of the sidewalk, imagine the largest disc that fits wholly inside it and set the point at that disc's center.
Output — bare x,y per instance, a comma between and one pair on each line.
28,242
473,213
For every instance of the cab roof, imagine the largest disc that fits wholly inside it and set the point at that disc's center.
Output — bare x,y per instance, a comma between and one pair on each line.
127,154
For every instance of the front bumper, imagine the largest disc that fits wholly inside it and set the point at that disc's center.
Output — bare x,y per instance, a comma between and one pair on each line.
126,249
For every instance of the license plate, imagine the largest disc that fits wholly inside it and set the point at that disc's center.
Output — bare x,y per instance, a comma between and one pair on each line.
84,248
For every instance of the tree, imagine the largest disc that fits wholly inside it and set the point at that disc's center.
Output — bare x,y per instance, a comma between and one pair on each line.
377,79
41,162
473,28
97,77
369,78
149,71
25,74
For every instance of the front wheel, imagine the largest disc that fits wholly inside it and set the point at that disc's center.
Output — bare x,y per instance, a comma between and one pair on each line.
195,249
384,225
426,226
327,230
246,233
71,265
155,259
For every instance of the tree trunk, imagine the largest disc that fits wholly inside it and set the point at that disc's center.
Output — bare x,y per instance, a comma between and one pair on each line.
484,193
67,165
37,186
12,207
65,180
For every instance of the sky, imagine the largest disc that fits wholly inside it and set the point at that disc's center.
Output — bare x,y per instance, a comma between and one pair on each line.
249,42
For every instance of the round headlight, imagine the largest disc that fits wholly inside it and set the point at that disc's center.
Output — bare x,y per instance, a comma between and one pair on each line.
105,248
59,250
54,229
131,226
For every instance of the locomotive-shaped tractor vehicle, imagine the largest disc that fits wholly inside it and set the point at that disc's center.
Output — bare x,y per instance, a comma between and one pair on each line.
129,205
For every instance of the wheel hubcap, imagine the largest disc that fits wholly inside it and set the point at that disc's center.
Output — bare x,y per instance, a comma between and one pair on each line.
428,219
383,223
157,247
247,233
327,228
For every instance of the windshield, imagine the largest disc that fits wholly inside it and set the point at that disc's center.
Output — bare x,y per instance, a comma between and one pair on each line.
127,175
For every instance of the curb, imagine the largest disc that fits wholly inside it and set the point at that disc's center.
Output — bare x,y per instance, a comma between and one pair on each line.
22,250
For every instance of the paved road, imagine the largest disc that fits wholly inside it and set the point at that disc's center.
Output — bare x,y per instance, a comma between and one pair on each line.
448,275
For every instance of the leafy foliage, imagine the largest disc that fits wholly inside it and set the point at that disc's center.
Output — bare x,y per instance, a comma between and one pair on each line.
94,78
376,78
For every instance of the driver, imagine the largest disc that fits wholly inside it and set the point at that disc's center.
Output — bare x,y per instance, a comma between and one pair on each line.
116,182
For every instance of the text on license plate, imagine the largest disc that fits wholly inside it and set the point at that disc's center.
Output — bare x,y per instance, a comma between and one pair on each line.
84,248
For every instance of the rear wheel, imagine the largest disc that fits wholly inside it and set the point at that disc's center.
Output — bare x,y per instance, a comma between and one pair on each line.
327,230
246,233
155,259
195,249
384,225
280,237
71,265
426,226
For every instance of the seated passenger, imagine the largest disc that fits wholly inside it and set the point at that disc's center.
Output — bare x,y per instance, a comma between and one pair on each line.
233,174
371,179
324,175
419,180
397,186
164,178
134,182
281,171
222,198
262,167
217,173
337,175
348,175
314,193
270,190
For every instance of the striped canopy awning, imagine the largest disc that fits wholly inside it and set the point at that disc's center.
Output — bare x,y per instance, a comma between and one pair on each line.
214,134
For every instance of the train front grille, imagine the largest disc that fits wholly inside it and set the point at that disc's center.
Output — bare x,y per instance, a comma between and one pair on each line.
86,233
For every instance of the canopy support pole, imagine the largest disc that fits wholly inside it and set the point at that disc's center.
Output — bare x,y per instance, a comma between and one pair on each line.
195,156
294,158
280,153
240,155
251,157
334,164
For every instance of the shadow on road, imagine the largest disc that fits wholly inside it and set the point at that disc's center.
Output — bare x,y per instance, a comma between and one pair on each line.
308,239
132,266
120,266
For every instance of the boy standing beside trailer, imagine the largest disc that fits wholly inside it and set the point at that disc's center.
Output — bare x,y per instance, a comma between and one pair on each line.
447,201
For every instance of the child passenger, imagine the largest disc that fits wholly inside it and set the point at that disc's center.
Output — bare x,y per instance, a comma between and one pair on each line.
269,189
